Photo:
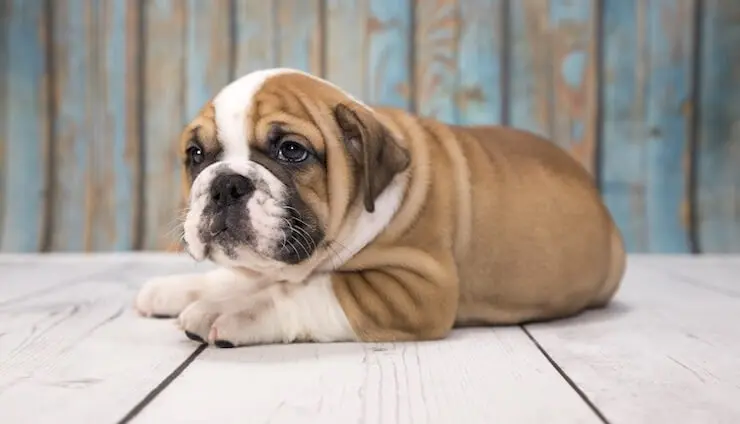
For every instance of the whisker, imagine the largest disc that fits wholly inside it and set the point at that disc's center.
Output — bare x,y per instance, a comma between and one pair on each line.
306,236
297,255
302,247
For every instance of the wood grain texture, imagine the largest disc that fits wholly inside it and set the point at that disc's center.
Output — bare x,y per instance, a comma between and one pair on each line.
79,353
164,108
624,129
349,31
553,78
26,131
718,179
390,43
256,36
459,58
436,44
114,197
480,97
647,121
479,375
4,45
368,46
207,55
665,351
300,35
75,143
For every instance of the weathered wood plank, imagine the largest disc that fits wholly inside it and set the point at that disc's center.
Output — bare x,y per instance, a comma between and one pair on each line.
436,53
114,198
480,62
390,43
368,46
666,351
530,67
553,73
4,44
459,55
480,375
300,35
256,38
624,128
648,54
164,111
208,56
348,37
718,182
26,130
81,354
74,144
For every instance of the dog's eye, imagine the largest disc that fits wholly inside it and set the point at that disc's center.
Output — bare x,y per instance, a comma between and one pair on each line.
195,154
291,151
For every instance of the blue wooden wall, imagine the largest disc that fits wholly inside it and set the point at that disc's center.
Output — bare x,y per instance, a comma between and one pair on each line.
645,93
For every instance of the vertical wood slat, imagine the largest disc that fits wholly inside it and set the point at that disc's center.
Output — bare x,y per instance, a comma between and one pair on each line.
368,49
73,134
436,41
96,146
115,196
718,179
348,27
299,30
255,35
459,54
624,128
4,34
480,97
26,130
164,112
553,72
647,121
187,62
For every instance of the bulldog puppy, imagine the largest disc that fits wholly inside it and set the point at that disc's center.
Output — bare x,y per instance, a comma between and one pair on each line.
334,221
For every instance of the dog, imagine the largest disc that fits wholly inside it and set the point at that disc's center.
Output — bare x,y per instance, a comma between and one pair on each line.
333,221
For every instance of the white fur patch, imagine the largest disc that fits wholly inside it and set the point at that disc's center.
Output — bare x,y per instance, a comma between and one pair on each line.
273,315
369,225
232,105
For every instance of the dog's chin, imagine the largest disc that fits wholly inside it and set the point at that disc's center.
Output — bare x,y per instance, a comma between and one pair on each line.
292,246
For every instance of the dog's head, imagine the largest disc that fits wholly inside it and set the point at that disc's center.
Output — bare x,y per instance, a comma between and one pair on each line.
277,164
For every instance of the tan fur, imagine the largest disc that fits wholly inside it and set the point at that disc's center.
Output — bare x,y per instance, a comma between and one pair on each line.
497,226
511,230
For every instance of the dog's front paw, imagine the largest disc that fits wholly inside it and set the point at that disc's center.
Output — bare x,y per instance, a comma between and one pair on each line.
220,324
167,297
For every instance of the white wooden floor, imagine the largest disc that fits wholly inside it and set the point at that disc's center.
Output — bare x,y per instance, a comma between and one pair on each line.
72,350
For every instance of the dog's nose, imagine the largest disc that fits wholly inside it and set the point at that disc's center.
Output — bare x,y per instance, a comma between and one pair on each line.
229,188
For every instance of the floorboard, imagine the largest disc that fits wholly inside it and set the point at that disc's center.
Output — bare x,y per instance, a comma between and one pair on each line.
666,351
76,352
476,376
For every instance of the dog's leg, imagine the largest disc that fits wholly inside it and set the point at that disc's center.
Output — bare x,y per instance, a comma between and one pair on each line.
280,313
168,296
387,304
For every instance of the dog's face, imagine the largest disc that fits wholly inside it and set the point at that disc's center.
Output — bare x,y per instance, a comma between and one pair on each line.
273,165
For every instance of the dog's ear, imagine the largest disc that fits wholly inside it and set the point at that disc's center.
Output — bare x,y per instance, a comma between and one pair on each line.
372,147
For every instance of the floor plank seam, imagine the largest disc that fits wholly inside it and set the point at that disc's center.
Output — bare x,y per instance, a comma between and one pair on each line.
565,376
136,410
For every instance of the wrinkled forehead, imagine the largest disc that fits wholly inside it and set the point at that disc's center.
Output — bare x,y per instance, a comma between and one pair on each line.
230,119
